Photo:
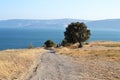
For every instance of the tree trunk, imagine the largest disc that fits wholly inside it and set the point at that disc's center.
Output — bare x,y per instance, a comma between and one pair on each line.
80,45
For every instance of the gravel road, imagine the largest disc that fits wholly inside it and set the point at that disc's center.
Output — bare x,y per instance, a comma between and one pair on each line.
54,66
57,67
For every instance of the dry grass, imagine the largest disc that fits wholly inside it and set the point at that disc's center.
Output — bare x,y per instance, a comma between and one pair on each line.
15,63
98,50
102,53
100,59
105,43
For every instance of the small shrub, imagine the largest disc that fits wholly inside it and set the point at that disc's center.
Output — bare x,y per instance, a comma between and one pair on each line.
49,43
31,46
65,43
86,43
58,45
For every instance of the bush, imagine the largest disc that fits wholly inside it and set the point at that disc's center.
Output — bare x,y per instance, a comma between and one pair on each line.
65,43
31,46
86,43
49,43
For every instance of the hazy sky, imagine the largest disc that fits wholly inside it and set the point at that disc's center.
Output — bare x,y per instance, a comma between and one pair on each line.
54,9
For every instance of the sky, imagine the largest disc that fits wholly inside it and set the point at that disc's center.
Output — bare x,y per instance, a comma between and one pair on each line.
58,9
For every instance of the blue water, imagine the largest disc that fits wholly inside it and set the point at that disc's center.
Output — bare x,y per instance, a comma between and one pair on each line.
22,38
107,35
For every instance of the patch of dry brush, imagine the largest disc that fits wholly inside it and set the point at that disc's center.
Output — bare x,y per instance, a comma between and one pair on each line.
15,63
101,60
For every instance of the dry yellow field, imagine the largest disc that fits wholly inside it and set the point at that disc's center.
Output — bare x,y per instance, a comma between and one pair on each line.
105,43
97,49
15,64
101,60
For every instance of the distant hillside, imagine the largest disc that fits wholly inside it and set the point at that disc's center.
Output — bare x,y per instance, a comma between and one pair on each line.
108,24
52,23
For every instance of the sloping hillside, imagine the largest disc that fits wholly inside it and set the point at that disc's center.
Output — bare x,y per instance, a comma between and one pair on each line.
108,24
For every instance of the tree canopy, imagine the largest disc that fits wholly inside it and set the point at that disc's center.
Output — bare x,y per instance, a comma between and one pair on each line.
77,32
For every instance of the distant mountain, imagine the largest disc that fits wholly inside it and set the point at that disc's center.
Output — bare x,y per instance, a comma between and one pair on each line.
53,23
108,24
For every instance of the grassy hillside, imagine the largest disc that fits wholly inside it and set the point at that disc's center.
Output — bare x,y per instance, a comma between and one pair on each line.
15,64
101,60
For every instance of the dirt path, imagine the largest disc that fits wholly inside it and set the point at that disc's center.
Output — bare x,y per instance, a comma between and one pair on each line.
54,66
57,67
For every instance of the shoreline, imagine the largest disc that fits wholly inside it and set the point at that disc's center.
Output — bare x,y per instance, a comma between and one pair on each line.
97,41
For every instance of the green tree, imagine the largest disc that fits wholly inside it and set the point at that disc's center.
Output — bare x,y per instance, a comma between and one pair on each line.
49,43
77,32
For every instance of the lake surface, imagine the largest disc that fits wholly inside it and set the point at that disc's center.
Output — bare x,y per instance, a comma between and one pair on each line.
22,38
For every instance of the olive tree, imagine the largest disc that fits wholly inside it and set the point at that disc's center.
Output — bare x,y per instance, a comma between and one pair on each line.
77,32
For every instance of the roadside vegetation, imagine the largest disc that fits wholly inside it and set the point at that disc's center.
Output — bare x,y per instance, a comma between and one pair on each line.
100,62
15,64
98,50
49,43
76,32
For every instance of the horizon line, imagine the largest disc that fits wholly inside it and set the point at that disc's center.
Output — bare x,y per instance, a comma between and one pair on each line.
59,19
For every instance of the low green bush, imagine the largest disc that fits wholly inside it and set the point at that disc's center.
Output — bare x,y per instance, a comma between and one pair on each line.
31,46
65,43
49,43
